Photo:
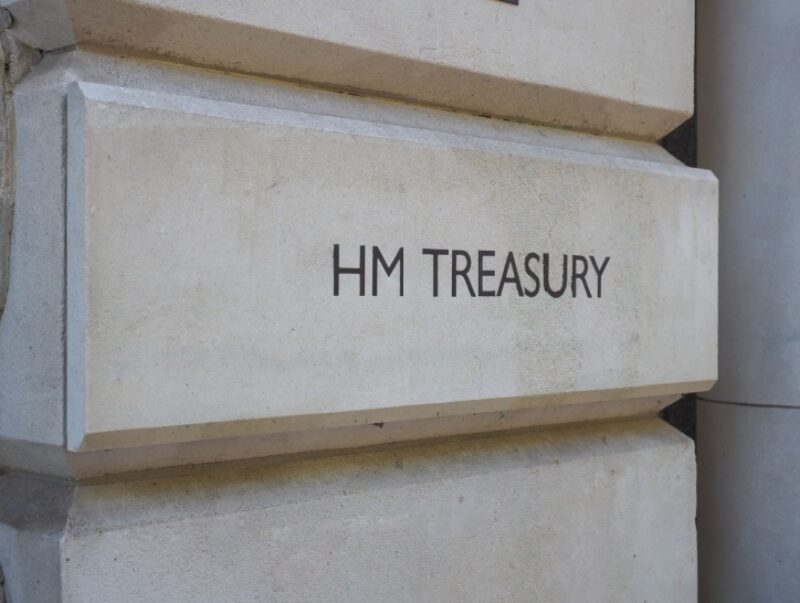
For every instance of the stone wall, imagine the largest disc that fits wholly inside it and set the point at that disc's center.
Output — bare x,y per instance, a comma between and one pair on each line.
345,301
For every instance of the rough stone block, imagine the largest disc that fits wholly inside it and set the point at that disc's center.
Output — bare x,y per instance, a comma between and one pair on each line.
235,269
602,513
624,67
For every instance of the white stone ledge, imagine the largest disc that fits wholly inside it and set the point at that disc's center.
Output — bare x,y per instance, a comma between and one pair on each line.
279,447
625,68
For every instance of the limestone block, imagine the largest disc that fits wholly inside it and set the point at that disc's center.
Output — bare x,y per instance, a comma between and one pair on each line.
485,154
602,513
206,241
32,325
625,67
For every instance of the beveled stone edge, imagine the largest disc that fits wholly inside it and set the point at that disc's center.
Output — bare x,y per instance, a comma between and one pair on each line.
321,427
55,25
277,448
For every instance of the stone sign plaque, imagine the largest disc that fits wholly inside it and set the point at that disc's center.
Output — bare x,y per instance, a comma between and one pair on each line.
236,270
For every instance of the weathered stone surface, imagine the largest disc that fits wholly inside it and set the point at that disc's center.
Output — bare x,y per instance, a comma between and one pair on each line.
33,515
31,331
32,326
173,301
201,291
56,461
625,67
548,516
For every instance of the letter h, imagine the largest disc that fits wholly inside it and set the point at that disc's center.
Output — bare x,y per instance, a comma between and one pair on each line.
360,271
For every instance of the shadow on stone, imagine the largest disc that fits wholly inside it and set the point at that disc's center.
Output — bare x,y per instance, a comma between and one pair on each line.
682,415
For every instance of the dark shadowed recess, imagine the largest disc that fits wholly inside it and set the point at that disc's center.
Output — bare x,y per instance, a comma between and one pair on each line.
682,143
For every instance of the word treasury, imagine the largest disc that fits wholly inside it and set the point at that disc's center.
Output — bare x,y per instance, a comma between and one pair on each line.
484,273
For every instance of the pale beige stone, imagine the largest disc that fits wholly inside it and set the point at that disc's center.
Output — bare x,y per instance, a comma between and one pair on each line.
602,513
194,321
56,461
32,327
623,67
31,403
200,272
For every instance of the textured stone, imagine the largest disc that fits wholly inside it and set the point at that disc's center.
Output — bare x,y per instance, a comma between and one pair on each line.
31,326
172,302
623,68
33,515
31,331
202,242
605,510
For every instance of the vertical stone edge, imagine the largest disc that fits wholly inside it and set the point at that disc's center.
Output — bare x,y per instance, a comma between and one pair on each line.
75,269
31,345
